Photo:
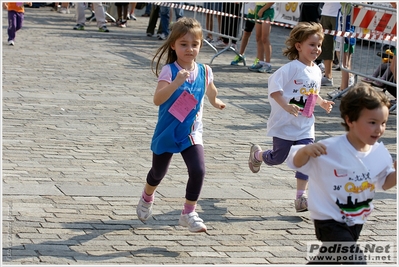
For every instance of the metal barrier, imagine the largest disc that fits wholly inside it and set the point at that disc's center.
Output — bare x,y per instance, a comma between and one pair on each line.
376,38
228,28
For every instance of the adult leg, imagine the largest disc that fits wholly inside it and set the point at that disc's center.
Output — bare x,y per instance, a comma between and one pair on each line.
260,52
244,42
119,11
165,17
147,11
152,22
209,25
265,39
126,11
132,9
80,13
179,13
100,14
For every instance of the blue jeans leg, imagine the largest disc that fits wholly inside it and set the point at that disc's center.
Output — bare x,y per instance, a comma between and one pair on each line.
165,16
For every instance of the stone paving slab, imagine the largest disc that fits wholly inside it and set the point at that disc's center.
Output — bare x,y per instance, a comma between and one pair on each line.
77,121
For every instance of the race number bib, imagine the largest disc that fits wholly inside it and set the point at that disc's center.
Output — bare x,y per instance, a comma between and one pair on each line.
183,105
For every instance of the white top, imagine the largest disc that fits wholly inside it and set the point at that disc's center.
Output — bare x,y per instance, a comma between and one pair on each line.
330,9
293,80
342,183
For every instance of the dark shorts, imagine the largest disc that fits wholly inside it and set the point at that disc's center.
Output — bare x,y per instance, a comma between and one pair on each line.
280,151
249,23
327,48
267,15
336,232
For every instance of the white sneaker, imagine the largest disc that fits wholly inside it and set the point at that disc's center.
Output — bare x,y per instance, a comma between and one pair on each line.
194,223
351,81
162,36
11,42
335,93
301,204
144,209
326,82
266,68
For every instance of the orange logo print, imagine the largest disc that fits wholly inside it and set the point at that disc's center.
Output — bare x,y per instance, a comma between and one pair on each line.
352,188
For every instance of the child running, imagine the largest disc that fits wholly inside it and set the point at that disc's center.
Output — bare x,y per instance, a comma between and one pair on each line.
293,92
345,170
182,84
16,13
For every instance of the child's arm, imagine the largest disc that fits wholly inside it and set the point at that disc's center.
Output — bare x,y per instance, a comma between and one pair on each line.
164,89
303,155
211,93
5,5
390,181
325,104
29,3
290,108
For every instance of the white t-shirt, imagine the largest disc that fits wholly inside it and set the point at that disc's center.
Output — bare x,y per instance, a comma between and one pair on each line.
342,183
293,80
330,9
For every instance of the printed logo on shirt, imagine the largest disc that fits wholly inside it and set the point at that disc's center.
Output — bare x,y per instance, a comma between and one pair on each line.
352,188
340,173
352,209
298,82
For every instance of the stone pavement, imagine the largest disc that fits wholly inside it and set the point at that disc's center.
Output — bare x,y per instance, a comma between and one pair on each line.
77,123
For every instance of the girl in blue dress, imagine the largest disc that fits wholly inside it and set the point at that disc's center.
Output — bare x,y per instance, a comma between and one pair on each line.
182,84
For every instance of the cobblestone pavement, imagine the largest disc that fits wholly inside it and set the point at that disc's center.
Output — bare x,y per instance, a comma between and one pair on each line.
77,122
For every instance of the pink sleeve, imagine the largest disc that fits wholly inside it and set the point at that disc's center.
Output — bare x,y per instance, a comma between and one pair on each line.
166,74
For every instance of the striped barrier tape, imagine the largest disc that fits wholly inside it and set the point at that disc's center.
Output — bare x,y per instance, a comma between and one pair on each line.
367,36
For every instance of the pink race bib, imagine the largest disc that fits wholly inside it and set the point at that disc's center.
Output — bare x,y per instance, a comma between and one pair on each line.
309,105
183,105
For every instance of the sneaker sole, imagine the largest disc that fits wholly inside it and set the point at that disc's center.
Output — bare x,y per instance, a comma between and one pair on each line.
254,70
302,210
201,230
250,164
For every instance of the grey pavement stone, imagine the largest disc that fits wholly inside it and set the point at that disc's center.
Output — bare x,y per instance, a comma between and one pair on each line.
77,122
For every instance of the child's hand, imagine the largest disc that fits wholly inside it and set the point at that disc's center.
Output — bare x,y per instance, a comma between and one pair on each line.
292,109
29,3
181,77
5,5
315,150
327,105
219,104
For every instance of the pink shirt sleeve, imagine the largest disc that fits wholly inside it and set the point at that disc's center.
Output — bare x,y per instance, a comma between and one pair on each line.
166,74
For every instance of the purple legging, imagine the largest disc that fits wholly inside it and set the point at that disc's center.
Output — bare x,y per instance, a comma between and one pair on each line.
15,20
195,162
279,153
